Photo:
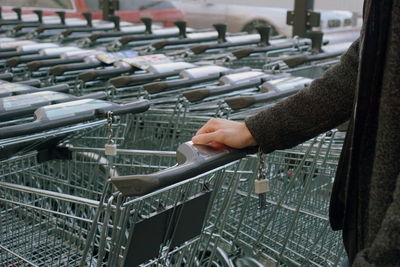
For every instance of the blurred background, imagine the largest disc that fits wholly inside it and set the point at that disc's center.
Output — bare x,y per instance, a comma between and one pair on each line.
239,15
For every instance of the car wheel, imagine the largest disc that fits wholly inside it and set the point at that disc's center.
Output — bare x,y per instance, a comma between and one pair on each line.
251,27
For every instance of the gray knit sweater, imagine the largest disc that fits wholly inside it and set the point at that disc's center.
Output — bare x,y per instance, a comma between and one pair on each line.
365,201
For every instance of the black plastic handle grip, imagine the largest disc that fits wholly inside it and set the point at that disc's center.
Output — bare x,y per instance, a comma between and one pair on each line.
131,108
15,61
95,36
182,28
89,18
140,79
103,74
39,14
163,43
241,53
147,23
61,15
247,101
295,61
264,32
316,41
158,87
117,22
24,25
192,160
203,48
43,28
70,31
61,69
18,11
143,37
44,124
221,29
37,64
200,94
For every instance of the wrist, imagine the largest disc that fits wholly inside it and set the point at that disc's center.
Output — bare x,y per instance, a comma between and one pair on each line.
248,137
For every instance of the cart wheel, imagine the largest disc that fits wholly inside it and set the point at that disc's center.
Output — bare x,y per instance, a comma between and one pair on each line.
251,27
220,259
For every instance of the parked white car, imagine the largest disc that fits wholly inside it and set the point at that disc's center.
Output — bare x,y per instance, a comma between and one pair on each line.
201,14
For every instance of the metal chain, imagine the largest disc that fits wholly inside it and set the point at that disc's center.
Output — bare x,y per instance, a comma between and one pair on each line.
261,164
110,118
262,203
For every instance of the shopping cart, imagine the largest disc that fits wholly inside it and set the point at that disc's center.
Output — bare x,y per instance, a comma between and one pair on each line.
289,225
173,219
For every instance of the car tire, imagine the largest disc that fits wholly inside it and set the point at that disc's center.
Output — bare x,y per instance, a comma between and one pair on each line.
251,27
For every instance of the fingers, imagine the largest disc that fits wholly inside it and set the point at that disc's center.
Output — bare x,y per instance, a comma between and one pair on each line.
210,126
224,132
206,138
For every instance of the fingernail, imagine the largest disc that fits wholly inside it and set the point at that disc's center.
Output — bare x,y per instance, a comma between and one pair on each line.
194,139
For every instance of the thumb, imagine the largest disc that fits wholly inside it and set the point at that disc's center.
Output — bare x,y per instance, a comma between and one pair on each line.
203,139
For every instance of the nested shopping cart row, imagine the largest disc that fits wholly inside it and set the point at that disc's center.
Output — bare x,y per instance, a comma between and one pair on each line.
100,191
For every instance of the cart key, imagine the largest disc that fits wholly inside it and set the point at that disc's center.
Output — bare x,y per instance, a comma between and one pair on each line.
111,149
261,188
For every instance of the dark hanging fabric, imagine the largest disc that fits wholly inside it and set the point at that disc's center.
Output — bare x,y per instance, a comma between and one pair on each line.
365,88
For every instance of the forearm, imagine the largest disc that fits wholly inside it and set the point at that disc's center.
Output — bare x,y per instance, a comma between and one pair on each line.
325,104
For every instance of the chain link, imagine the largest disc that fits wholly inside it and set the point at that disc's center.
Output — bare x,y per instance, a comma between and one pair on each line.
262,203
110,118
261,164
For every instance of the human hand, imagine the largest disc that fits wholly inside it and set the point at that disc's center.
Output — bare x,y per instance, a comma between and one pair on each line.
226,132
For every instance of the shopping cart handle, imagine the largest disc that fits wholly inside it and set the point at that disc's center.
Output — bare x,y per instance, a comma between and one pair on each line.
241,102
200,49
37,64
61,69
158,87
140,79
192,160
169,42
295,61
72,113
105,73
244,52
143,37
275,90
15,61
132,108
200,94
95,36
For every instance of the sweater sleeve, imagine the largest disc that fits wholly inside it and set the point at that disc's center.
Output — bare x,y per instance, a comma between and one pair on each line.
325,104
385,249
